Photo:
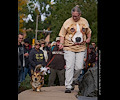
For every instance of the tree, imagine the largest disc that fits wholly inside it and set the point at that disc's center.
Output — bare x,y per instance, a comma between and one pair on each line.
61,11
58,12
38,10
22,9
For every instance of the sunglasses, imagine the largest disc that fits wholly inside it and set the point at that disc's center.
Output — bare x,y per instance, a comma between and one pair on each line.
37,44
20,38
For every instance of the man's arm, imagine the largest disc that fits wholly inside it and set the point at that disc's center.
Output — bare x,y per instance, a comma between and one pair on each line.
88,38
61,42
31,55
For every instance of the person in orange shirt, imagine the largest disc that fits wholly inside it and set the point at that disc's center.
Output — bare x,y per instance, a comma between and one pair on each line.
74,35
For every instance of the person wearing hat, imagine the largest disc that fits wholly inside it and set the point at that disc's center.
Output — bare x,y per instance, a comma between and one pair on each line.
36,56
43,48
27,47
91,57
57,65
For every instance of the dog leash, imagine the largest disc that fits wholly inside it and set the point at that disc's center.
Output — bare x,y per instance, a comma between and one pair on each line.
87,57
68,46
76,44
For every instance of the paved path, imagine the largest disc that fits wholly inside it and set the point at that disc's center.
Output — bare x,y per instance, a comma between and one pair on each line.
49,93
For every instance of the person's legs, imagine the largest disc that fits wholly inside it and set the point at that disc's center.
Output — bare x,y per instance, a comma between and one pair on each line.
29,72
24,73
18,78
20,72
78,65
70,61
52,77
61,76
79,59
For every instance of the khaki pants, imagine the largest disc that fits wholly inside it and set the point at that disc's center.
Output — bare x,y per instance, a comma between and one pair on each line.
74,65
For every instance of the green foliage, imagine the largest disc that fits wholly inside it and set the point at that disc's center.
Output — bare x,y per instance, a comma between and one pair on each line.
62,11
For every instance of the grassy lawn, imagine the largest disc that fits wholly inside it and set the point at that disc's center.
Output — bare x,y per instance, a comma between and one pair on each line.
25,85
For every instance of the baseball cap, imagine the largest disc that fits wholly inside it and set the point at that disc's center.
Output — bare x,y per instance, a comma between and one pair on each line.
26,40
57,38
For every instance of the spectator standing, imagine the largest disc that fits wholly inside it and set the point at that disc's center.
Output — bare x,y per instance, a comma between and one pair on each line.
94,46
91,57
36,56
57,65
27,48
21,61
95,49
48,47
43,48
75,30
53,44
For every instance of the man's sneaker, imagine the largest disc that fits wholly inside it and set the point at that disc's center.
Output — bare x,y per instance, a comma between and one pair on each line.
68,90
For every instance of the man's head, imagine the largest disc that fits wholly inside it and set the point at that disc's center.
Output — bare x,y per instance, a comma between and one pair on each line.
57,41
42,42
26,42
93,44
20,38
90,48
37,44
76,13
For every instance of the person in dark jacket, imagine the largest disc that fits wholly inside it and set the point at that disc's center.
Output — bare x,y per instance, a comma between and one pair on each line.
57,65
36,56
21,61
27,48
91,57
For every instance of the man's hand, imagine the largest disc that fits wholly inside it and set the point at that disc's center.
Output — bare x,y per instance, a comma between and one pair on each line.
61,46
48,68
65,66
88,40
26,54
61,42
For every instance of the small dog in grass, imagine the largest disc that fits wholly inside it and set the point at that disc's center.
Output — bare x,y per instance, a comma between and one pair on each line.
37,80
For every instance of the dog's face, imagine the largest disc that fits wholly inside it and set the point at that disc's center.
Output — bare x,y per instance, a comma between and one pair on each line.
36,77
71,31
78,37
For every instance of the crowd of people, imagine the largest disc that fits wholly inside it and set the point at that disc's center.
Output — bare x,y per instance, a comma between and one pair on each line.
69,54
42,53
